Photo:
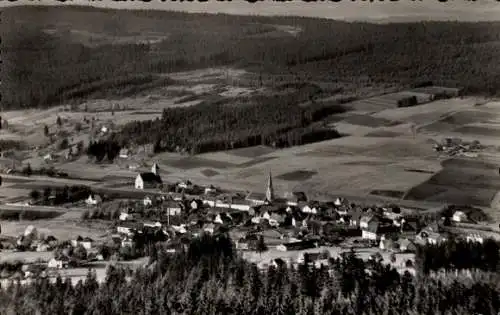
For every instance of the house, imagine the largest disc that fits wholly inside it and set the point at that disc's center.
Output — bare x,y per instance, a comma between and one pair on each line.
295,198
405,245
173,207
355,217
365,221
147,201
185,184
127,242
124,153
125,216
196,204
387,244
210,190
248,242
256,199
276,219
43,246
430,236
474,238
240,204
85,242
93,200
371,232
104,129
300,245
309,209
147,180
339,202
127,228
209,228
459,216
152,224
222,218
49,157
57,263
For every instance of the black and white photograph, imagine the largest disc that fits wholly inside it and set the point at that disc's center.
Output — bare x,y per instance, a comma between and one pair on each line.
250,157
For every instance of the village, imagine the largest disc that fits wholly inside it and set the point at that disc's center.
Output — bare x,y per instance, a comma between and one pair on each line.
265,228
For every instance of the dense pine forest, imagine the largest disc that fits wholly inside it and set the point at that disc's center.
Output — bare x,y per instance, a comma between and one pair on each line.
214,126
209,278
41,68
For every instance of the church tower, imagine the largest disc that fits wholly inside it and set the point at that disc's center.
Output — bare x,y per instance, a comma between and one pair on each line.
155,169
270,189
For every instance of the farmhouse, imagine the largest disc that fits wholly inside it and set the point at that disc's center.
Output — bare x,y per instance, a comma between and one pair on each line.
365,221
185,184
93,200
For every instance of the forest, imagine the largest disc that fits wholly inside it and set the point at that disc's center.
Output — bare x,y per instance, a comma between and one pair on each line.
209,278
48,61
213,126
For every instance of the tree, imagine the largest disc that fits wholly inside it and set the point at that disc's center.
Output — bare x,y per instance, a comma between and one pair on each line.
78,127
80,253
59,121
261,245
27,170
46,130
85,215
35,194
63,145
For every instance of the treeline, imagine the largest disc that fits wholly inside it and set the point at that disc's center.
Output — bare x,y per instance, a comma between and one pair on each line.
209,278
275,121
43,69
60,195
458,255
103,149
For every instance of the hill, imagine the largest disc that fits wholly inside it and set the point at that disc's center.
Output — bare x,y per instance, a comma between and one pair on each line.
53,55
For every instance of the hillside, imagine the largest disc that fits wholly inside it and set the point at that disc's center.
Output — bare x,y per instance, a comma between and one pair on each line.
49,60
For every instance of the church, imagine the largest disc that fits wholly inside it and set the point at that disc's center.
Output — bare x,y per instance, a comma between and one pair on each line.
148,179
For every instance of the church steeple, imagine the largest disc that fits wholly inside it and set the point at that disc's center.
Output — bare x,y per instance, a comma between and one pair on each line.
270,189
155,169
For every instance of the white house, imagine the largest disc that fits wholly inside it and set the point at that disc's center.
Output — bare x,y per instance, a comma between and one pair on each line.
104,129
48,157
209,228
309,209
459,216
93,200
124,216
127,229
339,201
57,263
210,190
185,184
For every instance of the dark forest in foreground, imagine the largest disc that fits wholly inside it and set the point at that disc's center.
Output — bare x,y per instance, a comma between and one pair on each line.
209,278
41,68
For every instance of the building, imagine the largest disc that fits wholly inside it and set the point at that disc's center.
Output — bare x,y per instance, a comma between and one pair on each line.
147,201
474,238
147,180
124,153
173,207
127,228
459,216
270,189
256,199
125,216
365,221
295,198
93,200
57,263
371,232
185,184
